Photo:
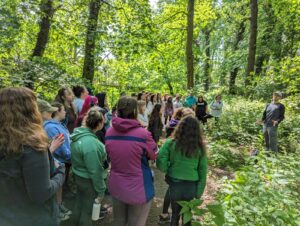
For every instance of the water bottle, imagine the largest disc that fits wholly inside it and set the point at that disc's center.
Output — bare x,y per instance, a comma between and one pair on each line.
96,210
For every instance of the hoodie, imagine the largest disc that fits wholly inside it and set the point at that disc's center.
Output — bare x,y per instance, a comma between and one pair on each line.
129,147
171,127
88,156
54,128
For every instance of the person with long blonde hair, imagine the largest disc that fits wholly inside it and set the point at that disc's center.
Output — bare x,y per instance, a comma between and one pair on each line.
27,194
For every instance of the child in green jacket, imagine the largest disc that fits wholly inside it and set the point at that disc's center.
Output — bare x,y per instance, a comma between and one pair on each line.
184,161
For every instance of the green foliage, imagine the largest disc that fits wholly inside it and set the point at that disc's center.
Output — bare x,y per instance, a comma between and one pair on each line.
191,208
265,192
46,76
224,156
238,122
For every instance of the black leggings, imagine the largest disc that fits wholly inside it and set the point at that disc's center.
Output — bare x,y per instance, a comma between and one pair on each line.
178,192
167,202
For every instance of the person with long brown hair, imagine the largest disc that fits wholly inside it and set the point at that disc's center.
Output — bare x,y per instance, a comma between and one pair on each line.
27,194
184,161
65,96
155,125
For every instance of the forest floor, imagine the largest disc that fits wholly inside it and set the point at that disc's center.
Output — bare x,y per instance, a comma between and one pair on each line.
212,187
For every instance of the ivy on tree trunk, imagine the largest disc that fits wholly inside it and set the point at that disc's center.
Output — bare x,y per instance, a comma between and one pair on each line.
91,33
252,41
189,45
233,73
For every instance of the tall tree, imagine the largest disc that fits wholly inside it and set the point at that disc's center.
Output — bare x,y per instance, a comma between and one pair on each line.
189,44
47,10
233,73
207,59
91,34
252,41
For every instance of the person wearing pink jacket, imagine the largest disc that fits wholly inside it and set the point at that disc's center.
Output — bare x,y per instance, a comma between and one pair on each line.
129,147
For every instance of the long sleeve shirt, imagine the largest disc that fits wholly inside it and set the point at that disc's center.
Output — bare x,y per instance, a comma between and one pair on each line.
273,112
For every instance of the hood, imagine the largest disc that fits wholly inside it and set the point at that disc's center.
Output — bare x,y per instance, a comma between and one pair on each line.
124,125
81,132
53,122
173,122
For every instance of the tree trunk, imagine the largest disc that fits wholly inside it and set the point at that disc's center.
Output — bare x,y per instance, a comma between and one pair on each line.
189,45
233,73
91,33
252,41
47,11
170,87
207,60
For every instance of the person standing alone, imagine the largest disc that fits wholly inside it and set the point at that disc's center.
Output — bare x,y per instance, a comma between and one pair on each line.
272,116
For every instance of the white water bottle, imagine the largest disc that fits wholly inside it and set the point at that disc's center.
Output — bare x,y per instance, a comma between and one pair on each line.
96,210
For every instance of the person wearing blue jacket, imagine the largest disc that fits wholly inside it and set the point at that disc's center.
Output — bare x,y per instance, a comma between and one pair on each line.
54,128
53,117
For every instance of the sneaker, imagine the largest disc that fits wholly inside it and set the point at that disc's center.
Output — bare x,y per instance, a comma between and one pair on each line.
164,219
64,210
63,217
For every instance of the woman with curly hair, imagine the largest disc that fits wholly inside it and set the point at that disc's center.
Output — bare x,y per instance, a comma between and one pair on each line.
184,160
27,194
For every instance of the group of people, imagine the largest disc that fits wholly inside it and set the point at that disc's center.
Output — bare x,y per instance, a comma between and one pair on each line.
107,150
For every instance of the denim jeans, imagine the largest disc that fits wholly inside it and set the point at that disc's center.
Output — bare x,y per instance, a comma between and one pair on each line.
270,137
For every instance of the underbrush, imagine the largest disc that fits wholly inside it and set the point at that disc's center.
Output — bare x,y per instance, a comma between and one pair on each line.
265,192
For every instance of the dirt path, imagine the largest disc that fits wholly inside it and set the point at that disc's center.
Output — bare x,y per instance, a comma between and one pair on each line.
212,187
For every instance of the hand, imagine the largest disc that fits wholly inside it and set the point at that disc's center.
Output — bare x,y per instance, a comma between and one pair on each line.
275,123
56,143
259,122
99,199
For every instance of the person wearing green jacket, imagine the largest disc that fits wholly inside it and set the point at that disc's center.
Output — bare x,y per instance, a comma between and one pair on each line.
184,161
88,156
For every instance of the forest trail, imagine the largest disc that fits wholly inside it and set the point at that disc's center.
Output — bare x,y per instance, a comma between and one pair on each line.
212,187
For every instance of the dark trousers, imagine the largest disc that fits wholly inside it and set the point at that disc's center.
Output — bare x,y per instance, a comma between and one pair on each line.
167,202
167,118
181,191
202,118
86,194
270,137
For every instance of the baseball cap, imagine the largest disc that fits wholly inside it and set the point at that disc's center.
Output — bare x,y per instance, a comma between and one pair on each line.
44,106
279,94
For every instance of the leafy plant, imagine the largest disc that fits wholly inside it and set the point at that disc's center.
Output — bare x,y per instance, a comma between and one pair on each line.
265,192
191,208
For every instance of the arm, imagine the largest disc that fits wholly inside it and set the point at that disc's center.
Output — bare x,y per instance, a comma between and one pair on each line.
202,172
281,113
93,163
264,113
212,105
63,151
163,160
36,174
151,146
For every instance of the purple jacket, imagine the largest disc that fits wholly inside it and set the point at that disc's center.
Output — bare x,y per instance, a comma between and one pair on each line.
129,147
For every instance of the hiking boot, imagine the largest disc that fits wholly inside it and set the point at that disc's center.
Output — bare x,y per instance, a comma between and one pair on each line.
164,219
64,209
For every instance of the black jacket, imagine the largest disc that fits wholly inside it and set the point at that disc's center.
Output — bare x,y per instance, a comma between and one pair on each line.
27,194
